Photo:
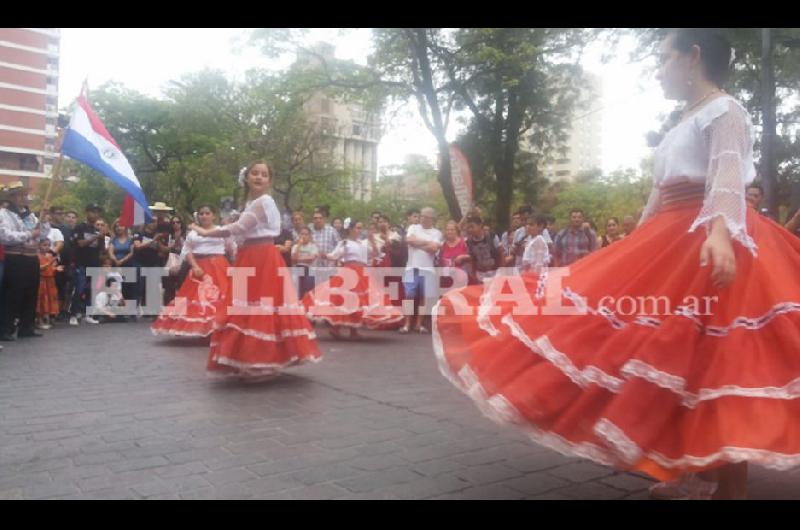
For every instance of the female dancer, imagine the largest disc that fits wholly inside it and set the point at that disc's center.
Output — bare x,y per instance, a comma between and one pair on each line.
703,380
266,331
203,295
325,306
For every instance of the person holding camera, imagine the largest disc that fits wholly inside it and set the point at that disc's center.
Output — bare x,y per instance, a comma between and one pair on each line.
150,248
88,244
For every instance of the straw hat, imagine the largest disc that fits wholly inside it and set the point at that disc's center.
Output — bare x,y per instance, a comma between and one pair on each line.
9,189
16,186
161,207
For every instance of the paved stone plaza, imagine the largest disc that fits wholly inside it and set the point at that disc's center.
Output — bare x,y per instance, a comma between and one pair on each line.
110,411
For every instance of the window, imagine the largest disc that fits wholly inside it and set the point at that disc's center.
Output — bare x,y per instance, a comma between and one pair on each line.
356,130
563,173
328,126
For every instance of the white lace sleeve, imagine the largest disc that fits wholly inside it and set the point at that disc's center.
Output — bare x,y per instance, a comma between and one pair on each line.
338,251
254,214
230,246
652,206
730,155
188,243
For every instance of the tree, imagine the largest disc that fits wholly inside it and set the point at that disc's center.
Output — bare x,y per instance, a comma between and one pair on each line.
616,195
187,148
519,85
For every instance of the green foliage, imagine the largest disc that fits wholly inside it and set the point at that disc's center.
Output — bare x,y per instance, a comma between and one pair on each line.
188,147
617,195
521,86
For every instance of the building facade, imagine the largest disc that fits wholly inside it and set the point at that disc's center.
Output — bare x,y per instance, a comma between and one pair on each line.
353,132
29,61
584,146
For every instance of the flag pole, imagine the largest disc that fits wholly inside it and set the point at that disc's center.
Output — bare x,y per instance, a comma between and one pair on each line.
56,173
57,168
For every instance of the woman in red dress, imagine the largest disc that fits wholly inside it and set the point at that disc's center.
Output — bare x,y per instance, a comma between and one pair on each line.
263,329
203,294
688,364
367,309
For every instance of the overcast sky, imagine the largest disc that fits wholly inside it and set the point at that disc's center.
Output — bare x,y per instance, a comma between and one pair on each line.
146,59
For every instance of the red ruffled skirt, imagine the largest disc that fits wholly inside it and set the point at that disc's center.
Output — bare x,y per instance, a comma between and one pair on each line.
713,379
47,298
370,308
275,335
197,303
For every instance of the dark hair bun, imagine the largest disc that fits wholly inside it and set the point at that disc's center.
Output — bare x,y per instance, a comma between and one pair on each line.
715,50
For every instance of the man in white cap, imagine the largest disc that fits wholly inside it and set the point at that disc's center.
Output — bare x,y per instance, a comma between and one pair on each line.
20,234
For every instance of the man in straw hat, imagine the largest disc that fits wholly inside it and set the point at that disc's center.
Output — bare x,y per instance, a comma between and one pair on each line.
161,212
20,234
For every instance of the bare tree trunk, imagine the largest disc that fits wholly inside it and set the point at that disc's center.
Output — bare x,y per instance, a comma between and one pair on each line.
424,82
446,182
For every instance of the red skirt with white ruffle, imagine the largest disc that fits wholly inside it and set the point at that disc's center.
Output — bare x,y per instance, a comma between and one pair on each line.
268,331
694,378
368,305
197,303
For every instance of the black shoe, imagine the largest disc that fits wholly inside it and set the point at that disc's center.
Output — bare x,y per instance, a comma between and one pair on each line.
5,337
30,333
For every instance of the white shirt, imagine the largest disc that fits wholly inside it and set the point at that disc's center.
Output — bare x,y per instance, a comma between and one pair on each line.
417,257
537,255
713,146
260,218
55,236
197,244
347,250
16,232
105,299
546,236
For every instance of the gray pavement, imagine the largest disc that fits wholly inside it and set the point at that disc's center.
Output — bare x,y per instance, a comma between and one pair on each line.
110,411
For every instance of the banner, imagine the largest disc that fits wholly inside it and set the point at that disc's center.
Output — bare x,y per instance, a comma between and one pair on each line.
461,175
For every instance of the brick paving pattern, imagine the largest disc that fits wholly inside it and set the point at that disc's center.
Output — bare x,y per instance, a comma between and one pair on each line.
111,412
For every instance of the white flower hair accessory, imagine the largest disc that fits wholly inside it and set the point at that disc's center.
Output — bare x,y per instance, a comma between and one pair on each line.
346,224
242,175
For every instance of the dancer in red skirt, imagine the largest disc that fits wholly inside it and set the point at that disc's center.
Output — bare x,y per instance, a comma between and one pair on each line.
203,294
267,330
372,312
688,363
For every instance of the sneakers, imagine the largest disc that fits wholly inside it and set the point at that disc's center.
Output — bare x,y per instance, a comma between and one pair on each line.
90,320
688,487
43,326
73,321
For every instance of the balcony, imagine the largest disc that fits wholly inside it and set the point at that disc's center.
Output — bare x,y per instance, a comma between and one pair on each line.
329,126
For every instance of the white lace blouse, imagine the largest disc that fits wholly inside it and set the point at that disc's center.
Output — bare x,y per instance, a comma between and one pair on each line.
260,218
348,250
197,244
714,146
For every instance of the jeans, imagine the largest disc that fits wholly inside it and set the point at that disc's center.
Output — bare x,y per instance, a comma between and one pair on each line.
78,306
